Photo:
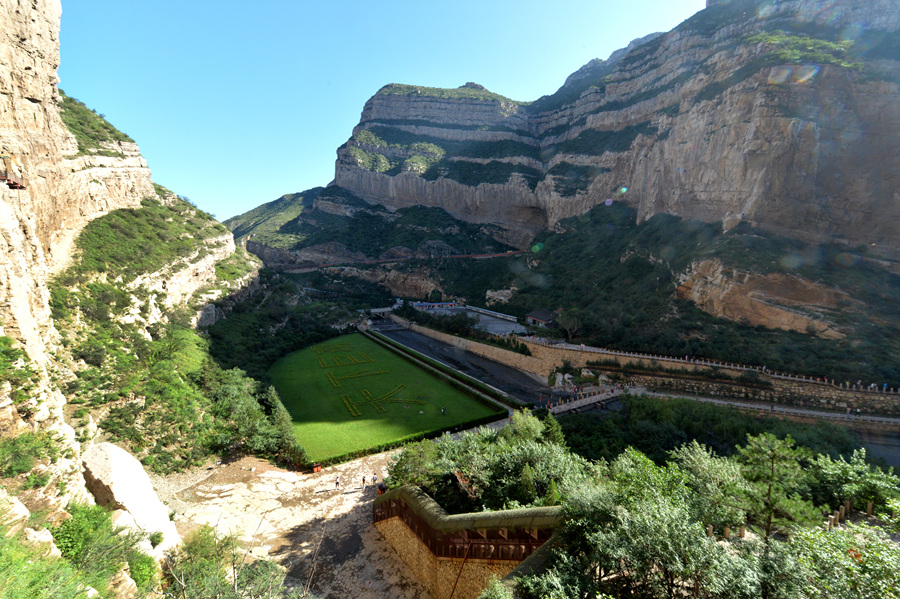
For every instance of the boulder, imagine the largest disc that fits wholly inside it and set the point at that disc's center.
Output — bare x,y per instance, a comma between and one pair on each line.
117,479
43,540
122,586
13,513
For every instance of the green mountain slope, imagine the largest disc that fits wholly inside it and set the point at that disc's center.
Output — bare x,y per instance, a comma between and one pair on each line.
332,215
620,279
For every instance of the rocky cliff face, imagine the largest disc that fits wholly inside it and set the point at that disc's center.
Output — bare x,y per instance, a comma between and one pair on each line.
64,191
775,301
783,115
65,187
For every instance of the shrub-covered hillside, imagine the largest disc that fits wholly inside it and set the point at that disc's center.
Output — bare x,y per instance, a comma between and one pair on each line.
139,370
616,279
293,222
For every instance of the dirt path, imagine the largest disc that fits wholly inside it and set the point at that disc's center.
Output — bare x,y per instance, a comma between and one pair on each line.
292,517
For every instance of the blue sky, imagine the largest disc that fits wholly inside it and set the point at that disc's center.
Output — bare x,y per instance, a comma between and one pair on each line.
237,103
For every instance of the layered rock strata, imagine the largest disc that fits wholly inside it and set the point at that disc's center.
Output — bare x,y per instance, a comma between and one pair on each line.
776,301
711,121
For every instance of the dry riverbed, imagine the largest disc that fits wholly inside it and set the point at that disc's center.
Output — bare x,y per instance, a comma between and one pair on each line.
322,534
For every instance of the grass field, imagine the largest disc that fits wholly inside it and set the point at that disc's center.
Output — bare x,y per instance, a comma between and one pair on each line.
350,394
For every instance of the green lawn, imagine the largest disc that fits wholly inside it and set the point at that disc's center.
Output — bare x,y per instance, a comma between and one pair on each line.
349,394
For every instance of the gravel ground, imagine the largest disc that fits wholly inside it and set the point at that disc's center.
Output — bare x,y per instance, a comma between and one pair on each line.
322,534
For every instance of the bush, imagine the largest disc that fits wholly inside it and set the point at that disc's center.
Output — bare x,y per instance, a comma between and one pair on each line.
37,481
20,454
16,370
142,569
90,542
203,566
24,572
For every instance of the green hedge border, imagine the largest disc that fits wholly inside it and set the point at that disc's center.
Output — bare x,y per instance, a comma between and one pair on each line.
457,379
447,375
361,453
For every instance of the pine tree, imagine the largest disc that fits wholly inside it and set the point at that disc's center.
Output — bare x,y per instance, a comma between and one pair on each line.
553,432
527,487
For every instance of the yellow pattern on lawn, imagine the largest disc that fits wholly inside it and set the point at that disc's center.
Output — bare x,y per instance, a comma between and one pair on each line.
345,360
375,402
333,348
336,380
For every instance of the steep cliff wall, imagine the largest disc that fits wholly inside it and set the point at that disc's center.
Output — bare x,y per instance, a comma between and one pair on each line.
71,179
784,116
64,190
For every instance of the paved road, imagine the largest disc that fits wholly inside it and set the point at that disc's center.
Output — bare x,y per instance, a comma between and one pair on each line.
779,410
884,444
523,386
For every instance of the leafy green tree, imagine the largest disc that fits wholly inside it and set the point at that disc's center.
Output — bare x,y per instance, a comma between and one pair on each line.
858,561
527,488
24,572
96,547
835,481
207,566
635,538
569,321
416,465
240,420
523,426
288,447
716,482
496,590
773,469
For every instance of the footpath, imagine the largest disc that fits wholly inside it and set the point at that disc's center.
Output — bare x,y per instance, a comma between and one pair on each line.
849,417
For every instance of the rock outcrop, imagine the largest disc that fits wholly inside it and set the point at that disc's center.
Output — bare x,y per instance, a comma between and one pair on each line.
776,301
13,513
724,119
401,284
117,479
63,191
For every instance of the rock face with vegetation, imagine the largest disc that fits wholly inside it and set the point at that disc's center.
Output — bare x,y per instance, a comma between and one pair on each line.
70,176
784,117
102,276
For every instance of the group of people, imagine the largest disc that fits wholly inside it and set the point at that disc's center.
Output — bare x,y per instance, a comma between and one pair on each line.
337,480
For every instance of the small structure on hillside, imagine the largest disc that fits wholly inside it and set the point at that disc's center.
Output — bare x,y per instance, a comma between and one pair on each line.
541,318
11,173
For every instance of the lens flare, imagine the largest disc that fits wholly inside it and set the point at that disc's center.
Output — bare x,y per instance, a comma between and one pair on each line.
668,253
792,261
537,247
805,73
779,75
608,203
852,32
765,10
846,260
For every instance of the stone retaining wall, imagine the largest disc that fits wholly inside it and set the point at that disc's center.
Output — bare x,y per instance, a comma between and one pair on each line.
461,550
815,396
788,391
437,574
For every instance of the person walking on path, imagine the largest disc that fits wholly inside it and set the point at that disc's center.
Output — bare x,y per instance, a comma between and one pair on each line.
337,482
374,477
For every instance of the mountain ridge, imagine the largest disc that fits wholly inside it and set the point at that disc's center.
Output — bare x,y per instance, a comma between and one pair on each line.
720,119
